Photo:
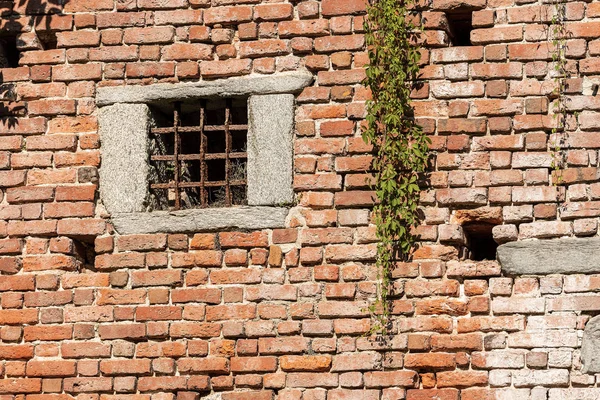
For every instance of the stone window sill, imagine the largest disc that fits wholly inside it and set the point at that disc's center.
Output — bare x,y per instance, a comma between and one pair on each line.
198,220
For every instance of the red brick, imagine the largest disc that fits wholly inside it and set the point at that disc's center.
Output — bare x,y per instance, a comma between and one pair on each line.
211,365
89,6
264,48
239,239
253,364
43,57
335,7
22,385
229,312
227,15
16,352
125,367
49,262
203,258
313,27
47,333
194,330
290,345
429,394
187,51
273,12
68,73
202,295
305,363
50,368
117,296
390,378
262,395
339,43
122,331
18,317
156,278
158,313
225,68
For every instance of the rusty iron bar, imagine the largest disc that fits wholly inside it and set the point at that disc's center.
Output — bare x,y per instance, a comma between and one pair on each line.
227,151
177,143
197,129
203,150
240,182
209,156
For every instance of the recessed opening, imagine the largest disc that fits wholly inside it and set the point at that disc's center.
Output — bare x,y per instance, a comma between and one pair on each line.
460,24
9,54
480,241
199,161
48,40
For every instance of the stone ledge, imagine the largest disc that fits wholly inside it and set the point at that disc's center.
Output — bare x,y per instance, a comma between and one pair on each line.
555,256
199,220
285,82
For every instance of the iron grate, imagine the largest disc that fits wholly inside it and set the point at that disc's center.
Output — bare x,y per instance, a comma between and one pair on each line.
217,180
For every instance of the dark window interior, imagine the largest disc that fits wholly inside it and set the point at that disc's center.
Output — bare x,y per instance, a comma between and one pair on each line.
460,25
48,40
9,55
211,154
480,241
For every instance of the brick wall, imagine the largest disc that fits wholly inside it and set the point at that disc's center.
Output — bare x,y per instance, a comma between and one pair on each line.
280,314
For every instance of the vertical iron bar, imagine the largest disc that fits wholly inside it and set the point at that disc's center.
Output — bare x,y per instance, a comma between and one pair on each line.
176,146
203,148
227,151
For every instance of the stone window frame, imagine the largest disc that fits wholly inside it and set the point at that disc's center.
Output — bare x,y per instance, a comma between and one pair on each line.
124,121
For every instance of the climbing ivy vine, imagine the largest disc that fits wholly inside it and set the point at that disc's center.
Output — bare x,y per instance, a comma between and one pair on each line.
558,36
400,146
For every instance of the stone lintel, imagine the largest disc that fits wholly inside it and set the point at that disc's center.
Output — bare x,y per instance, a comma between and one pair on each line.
285,82
199,220
555,256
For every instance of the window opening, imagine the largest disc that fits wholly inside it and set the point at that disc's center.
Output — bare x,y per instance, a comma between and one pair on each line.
460,25
9,54
199,155
480,241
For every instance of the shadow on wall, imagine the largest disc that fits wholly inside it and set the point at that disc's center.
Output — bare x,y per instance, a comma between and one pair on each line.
18,19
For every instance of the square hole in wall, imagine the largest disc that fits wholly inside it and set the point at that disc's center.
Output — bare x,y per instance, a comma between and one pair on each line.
9,54
48,40
198,154
480,241
460,25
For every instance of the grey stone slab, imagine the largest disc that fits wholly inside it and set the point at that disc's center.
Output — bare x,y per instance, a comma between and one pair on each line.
590,347
545,257
270,149
199,220
285,82
123,130
574,394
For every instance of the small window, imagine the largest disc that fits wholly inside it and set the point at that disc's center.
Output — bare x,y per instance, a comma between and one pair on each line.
460,24
199,154
9,54
480,241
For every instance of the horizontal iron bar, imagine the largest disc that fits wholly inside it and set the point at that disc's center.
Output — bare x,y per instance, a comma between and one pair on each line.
197,129
207,156
197,184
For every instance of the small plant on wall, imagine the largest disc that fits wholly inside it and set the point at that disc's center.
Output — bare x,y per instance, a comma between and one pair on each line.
400,146
559,36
